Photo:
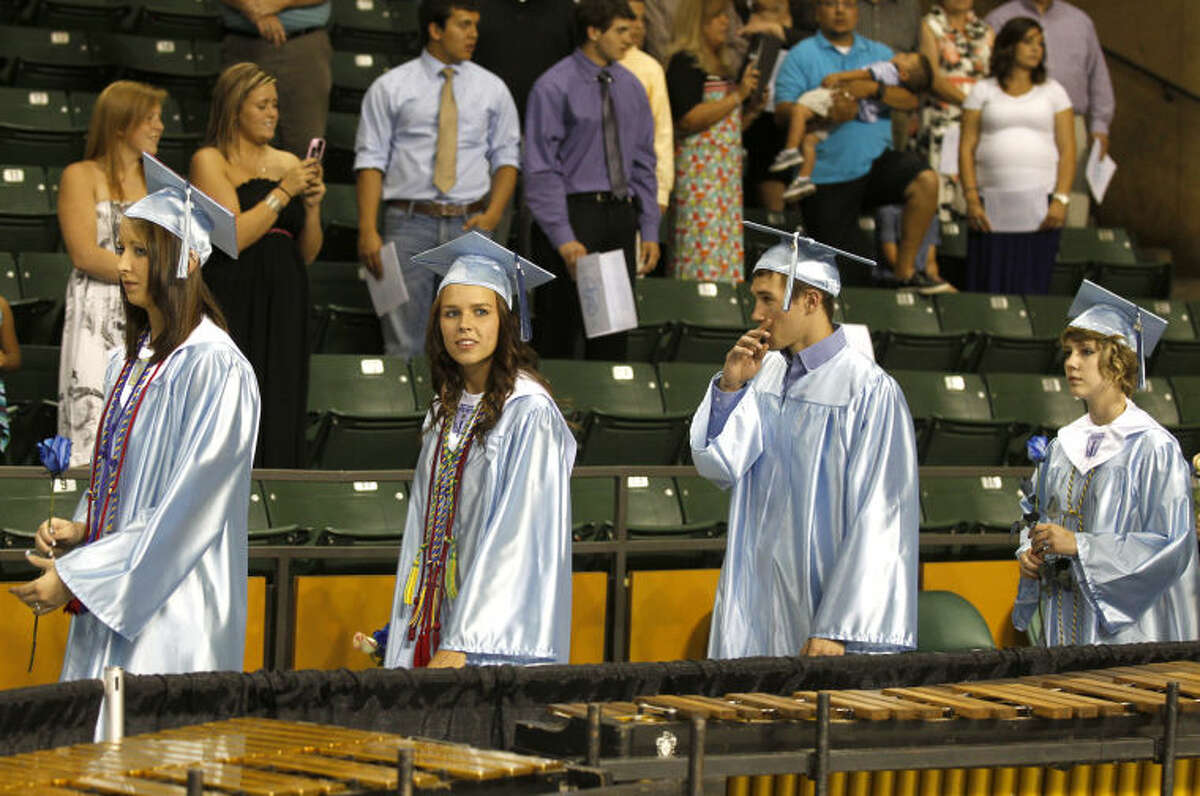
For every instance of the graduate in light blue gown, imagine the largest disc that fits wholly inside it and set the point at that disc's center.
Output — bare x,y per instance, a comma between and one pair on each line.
1114,560
153,566
484,575
817,444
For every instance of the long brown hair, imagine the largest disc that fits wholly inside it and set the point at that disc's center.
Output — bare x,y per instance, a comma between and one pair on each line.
121,106
234,85
182,302
512,356
688,36
1004,50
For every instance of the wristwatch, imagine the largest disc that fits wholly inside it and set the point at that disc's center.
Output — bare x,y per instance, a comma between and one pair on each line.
1063,199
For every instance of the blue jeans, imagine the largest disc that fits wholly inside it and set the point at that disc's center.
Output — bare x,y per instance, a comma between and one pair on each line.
404,327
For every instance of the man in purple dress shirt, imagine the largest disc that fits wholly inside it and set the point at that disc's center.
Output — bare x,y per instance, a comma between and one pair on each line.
1073,58
590,188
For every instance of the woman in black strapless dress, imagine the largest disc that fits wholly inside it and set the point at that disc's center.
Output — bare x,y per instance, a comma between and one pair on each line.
264,292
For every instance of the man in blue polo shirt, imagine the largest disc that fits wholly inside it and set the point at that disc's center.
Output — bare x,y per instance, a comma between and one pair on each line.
856,169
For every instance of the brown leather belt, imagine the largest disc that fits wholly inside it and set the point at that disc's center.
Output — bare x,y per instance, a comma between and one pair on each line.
438,209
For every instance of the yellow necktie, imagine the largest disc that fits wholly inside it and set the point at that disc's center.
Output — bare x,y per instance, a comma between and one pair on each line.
445,167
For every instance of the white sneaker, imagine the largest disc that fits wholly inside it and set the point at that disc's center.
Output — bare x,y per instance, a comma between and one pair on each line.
786,159
799,188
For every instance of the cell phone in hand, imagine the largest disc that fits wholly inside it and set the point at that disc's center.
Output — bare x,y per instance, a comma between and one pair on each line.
316,149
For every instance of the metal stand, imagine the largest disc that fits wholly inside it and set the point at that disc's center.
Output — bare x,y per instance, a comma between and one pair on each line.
1170,727
820,773
593,734
696,758
114,703
195,781
404,772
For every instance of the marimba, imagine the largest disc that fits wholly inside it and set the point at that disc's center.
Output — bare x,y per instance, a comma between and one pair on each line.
1108,731
263,757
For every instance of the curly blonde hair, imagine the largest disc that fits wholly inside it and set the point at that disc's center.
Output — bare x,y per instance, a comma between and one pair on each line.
1118,362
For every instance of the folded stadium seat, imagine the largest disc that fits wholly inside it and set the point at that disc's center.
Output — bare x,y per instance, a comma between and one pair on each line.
183,67
593,507
32,402
705,505
1158,400
422,381
620,410
905,329
948,622
1096,245
36,127
970,503
1187,400
1035,403
954,418
952,252
705,309
25,504
353,74
346,330
340,132
340,212
184,19
44,277
1048,315
1179,350
340,512
349,442
684,384
10,284
97,15
259,525
1148,278
28,220
704,343
377,26
1002,337
339,283
45,58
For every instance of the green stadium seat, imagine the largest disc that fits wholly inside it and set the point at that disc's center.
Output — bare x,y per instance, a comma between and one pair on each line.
954,417
947,622
353,74
25,504
1187,400
684,384
1090,245
1002,334
259,527
1065,277
1037,402
703,343
1048,315
183,67
50,59
358,385
32,402
1179,350
620,409
1158,400
353,442
346,330
422,381
10,283
340,211
709,310
905,328
36,126
654,508
593,506
191,19
705,505
28,220
96,15
44,277
1135,279
970,503
340,513
338,283
376,26
341,129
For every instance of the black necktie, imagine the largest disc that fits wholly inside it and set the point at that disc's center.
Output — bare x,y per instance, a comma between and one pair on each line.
612,139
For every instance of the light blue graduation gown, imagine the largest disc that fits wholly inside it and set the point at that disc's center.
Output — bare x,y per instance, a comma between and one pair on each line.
166,588
1136,571
825,509
513,534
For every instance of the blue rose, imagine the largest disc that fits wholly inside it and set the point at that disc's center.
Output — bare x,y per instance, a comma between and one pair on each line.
55,453
1035,448
381,638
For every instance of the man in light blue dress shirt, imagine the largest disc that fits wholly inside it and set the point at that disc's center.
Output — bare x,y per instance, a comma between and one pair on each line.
396,150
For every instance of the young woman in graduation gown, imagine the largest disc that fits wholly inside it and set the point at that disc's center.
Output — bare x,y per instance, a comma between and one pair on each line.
153,565
1114,559
484,575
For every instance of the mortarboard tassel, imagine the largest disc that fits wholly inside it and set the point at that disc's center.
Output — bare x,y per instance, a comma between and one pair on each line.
787,294
181,269
526,327
1141,351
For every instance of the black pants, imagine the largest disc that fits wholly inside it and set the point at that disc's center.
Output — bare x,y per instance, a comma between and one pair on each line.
600,227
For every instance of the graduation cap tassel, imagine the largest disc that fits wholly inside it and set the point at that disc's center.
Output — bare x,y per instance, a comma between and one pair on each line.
1141,352
522,300
787,294
181,269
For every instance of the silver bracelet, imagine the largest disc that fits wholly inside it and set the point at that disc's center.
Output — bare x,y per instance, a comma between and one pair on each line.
274,202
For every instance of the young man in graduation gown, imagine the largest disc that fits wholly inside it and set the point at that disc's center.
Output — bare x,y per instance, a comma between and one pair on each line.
816,441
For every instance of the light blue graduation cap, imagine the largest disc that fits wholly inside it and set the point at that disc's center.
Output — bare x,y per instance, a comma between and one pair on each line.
1104,312
186,212
475,259
808,260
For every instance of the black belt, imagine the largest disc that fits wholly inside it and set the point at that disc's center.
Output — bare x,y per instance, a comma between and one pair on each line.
601,197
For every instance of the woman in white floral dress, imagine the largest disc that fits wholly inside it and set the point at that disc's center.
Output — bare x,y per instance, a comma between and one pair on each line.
93,193
959,46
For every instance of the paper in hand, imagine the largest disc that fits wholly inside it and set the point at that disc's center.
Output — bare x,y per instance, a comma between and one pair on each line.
1099,172
388,291
605,294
